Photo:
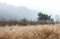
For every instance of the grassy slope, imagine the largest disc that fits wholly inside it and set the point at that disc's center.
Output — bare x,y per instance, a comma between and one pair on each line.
30,32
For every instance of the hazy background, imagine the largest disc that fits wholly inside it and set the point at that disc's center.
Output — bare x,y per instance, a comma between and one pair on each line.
18,9
10,12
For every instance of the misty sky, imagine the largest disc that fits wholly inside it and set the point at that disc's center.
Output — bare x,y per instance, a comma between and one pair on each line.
51,7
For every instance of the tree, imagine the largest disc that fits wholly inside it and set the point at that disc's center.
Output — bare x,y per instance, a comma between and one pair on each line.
43,17
24,20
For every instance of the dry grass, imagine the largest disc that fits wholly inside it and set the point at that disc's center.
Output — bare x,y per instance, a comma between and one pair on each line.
30,32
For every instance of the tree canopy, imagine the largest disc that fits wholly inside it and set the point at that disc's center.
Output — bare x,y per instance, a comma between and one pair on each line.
43,17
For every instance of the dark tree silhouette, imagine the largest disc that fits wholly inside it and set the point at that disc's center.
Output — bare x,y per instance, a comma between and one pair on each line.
44,17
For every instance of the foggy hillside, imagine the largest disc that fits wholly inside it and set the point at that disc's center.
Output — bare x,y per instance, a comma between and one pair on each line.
10,12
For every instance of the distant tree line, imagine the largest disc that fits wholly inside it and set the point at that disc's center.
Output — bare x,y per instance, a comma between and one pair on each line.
42,19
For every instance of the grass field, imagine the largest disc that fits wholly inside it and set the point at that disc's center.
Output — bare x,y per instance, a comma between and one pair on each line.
30,32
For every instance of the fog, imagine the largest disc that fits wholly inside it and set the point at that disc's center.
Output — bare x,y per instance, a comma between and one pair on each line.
10,12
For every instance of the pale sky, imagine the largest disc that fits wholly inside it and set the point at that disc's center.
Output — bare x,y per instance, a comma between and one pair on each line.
52,5
47,6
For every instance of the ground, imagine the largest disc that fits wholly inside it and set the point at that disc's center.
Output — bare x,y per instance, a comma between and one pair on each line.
30,32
